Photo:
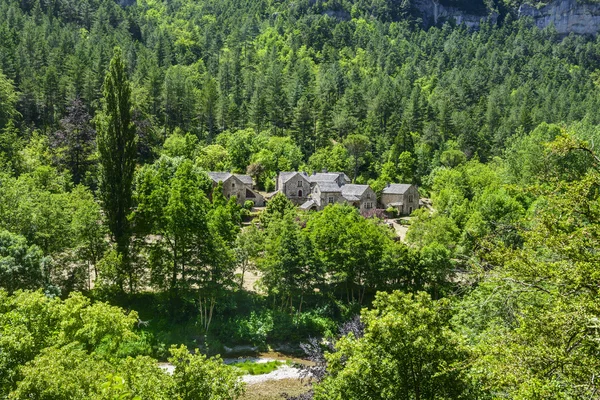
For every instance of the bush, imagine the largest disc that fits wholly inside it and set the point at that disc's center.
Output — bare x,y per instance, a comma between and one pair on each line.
268,326
255,368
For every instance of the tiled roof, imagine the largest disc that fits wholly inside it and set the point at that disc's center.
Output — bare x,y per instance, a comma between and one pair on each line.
224,176
327,177
246,179
354,190
219,176
308,205
397,188
329,187
349,197
286,176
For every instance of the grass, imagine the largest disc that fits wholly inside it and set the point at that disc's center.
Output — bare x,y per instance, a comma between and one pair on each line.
254,368
272,390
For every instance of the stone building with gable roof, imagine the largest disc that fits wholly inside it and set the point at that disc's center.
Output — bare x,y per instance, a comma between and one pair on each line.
360,196
237,185
295,186
403,197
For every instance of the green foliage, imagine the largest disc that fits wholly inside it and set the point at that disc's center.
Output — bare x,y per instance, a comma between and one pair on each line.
172,204
198,377
277,209
178,145
74,143
73,349
8,101
288,266
255,368
31,322
408,351
10,146
21,266
261,328
498,124
117,149
357,254
194,239
248,245
335,158
547,319
214,158
63,225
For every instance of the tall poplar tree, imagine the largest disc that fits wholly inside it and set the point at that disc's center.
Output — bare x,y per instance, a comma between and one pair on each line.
117,148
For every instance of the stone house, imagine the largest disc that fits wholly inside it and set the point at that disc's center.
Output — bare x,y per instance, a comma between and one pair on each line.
338,178
323,193
360,196
403,197
237,185
295,186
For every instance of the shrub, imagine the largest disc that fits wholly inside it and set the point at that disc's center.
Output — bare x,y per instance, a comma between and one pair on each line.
255,368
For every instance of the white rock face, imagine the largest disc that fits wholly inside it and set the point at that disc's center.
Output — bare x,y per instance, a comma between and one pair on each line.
566,15
434,13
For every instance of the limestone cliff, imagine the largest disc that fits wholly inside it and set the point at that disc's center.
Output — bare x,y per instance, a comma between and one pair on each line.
566,15
434,13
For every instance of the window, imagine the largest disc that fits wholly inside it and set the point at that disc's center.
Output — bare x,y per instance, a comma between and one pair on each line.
330,199
410,198
299,193
368,206
232,185
299,183
369,196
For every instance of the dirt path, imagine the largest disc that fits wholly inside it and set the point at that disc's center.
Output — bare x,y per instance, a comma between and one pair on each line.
250,279
400,229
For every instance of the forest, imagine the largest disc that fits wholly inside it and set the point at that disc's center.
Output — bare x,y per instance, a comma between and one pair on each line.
117,251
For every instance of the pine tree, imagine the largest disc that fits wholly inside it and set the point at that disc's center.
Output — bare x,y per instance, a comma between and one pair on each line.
117,150
303,126
75,140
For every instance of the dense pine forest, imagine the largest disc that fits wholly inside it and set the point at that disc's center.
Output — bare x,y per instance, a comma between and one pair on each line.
117,251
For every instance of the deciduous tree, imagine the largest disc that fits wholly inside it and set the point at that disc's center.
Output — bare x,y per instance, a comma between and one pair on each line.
117,149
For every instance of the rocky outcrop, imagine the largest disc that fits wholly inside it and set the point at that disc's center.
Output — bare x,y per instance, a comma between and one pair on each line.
434,13
566,15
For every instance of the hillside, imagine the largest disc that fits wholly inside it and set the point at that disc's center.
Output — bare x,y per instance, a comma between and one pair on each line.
412,186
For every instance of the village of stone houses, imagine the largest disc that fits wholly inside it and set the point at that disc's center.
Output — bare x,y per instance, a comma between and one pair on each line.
313,192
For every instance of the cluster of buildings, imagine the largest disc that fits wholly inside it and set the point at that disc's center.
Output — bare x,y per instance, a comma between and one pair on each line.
316,191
